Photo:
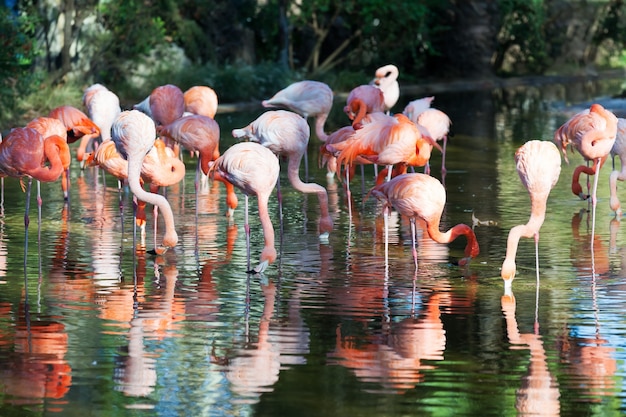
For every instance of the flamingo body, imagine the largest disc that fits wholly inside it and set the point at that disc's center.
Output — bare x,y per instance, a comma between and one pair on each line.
201,100
307,98
287,134
416,195
254,169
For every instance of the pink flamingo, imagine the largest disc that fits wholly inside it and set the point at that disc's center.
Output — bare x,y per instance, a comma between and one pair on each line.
619,149
24,152
49,126
386,78
416,195
364,99
593,134
308,99
103,107
254,169
436,122
287,134
200,134
539,166
134,134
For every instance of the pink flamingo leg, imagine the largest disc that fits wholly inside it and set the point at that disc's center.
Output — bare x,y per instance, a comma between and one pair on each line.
414,242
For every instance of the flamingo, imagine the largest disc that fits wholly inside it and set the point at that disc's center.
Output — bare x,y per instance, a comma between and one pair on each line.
387,140
78,125
416,195
24,152
103,107
538,164
254,169
200,133
364,99
287,134
48,126
592,133
201,100
160,168
167,103
436,122
134,135
386,78
307,98
619,149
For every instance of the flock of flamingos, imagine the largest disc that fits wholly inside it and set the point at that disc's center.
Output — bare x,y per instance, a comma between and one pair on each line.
142,145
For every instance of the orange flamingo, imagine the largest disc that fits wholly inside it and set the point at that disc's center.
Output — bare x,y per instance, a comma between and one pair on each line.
619,149
436,123
253,169
201,100
387,141
308,99
48,126
134,135
386,78
539,166
287,134
200,134
78,125
416,195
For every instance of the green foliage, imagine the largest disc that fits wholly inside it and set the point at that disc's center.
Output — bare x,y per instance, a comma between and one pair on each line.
521,37
17,52
613,24
132,30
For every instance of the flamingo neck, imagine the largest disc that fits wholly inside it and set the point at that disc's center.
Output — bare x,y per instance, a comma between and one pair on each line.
57,153
471,248
170,239
326,222
320,121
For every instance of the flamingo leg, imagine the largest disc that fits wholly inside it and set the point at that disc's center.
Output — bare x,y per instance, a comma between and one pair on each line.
348,193
386,222
414,242
27,221
246,227
537,255
443,156
594,201
39,204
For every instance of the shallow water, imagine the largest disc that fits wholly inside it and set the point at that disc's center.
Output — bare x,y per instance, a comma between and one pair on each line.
91,326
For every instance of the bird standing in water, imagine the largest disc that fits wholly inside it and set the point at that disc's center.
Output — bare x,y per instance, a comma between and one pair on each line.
539,166
386,78
254,169
287,134
134,134
416,195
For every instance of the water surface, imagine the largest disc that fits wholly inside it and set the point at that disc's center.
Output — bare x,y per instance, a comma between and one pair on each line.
91,324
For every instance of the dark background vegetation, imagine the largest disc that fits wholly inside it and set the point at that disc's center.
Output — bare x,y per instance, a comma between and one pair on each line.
248,49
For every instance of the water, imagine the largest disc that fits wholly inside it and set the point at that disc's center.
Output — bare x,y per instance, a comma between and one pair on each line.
90,326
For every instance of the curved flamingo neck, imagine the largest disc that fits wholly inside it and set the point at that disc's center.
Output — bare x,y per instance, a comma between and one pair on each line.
471,248
293,167
170,239
57,153
320,121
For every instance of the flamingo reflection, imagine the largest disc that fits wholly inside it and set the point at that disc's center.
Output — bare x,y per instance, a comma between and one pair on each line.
539,393
395,358
35,370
